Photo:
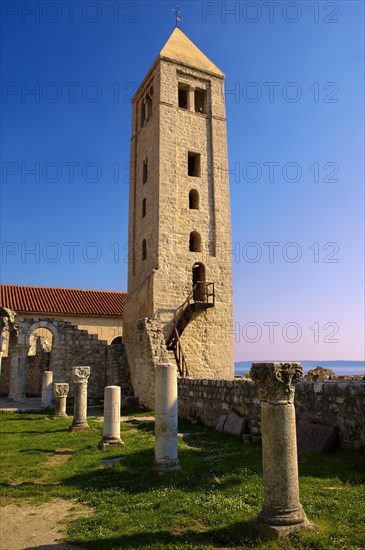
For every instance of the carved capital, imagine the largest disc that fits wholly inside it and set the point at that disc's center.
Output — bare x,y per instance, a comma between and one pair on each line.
60,389
80,374
276,381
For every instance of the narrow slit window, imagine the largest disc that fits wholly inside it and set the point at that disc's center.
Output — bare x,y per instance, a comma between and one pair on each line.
200,99
194,164
193,199
144,249
144,205
143,113
195,242
148,107
183,96
145,171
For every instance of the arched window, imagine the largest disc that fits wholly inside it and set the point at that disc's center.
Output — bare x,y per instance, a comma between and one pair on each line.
144,249
193,199
195,242
144,208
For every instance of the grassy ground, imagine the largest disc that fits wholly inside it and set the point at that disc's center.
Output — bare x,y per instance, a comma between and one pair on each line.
208,504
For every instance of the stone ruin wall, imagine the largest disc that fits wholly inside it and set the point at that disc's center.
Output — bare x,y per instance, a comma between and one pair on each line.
337,404
73,347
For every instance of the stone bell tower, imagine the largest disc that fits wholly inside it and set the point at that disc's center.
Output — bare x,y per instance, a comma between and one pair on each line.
179,304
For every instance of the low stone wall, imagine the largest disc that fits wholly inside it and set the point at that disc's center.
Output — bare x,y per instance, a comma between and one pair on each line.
337,404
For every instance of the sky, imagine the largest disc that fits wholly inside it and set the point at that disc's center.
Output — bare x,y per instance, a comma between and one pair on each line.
294,99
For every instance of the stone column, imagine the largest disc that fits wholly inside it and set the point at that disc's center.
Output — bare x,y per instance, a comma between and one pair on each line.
1,350
282,511
111,433
47,390
21,378
60,391
166,421
14,359
80,378
192,99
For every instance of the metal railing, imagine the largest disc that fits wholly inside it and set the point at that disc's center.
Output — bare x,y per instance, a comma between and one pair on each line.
202,295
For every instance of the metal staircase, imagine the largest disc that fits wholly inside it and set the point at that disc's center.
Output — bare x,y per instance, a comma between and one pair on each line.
200,298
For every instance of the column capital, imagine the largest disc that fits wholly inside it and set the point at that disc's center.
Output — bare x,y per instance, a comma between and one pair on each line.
80,374
60,389
276,381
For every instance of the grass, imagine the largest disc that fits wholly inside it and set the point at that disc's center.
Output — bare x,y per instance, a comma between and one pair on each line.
208,504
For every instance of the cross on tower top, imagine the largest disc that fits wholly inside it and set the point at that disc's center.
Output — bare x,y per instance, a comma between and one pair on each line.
177,14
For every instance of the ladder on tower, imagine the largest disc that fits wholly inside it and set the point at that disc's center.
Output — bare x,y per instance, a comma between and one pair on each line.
200,298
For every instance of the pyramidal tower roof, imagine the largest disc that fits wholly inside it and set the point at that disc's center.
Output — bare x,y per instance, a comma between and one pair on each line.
181,49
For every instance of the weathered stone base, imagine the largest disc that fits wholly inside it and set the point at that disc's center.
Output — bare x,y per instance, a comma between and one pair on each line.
79,428
277,531
112,442
58,416
166,466
278,523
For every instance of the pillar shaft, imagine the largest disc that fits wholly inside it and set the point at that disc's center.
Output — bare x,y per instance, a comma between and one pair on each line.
21,377
166,419
80,378
47,389
14,359
111,431
282,511
60,392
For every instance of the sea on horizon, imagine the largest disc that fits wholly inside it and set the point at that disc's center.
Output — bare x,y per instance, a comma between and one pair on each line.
341,368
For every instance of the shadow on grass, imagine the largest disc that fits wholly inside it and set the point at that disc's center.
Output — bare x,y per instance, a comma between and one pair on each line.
20,432
134,475
242,534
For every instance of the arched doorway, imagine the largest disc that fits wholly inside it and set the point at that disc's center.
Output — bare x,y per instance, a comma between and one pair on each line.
38,360
117,340
199,282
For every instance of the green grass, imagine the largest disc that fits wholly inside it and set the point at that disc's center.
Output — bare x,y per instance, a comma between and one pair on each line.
208,504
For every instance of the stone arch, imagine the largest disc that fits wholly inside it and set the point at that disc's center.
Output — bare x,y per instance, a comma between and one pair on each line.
43,324
40,350
116,340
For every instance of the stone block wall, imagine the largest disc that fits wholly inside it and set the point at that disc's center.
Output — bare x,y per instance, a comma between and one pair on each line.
117,368
71,347
337,404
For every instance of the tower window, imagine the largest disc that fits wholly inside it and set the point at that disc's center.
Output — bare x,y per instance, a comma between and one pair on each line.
143,113
144,208
194,164
193,199
200,97
148,107
195,242
144,249
183,96
145,170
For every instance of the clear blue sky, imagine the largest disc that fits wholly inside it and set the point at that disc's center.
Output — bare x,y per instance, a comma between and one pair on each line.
294,96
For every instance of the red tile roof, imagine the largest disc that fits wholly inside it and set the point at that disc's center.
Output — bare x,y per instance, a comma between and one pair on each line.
41,299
